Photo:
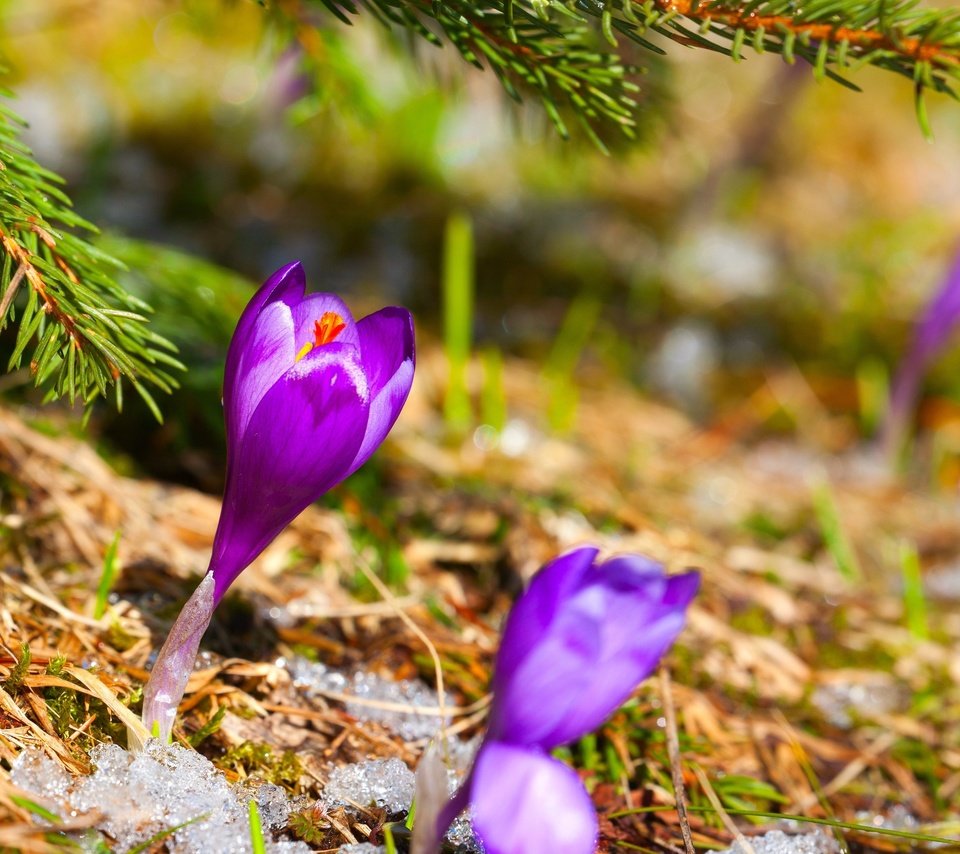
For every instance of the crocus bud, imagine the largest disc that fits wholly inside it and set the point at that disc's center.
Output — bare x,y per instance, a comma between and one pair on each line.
308,395
575,645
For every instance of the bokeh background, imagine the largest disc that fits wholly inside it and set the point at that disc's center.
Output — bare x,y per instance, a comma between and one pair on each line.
763,223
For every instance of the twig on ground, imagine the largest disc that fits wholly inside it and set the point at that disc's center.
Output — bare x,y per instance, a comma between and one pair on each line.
673,749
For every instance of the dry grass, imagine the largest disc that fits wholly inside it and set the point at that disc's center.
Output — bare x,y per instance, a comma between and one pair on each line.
776,620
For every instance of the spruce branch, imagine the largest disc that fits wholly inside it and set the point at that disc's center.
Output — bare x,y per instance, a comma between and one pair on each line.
563,62
555,47
834,36
85,334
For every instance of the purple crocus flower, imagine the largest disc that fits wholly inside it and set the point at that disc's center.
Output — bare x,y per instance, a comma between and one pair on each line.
308,395
931,335
575,645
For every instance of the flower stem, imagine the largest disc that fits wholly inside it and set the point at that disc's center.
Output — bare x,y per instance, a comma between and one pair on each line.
168,679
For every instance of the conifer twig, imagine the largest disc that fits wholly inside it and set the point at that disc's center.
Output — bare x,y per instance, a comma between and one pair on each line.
82,331
915,48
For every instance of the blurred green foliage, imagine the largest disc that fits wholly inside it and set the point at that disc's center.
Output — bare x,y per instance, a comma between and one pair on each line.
196,305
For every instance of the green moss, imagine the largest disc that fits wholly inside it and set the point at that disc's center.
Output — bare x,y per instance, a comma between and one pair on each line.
56,665
873,657
752,619
18,672
119,638
922,759
252,758
764,527
311,653
64,709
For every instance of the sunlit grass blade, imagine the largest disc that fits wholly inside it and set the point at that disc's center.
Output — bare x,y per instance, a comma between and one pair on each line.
35,809
257,842
388,841
914,599
800,755
575,332
209,728
148,844
831,529
458,316
107,577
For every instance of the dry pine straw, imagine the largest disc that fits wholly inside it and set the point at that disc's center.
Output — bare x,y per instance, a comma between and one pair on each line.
774,621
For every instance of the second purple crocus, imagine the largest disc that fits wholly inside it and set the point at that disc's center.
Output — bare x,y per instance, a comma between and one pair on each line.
575,645
309,394
931,335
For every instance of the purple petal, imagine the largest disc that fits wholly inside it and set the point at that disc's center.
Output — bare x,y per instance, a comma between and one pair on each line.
285,286
604,636
268,356
299,443
524,802
537,607
387,353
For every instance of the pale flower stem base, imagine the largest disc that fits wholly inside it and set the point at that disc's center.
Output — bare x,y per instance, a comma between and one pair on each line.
168,679
430,797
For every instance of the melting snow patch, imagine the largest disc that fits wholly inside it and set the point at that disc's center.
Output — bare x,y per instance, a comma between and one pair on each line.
388,783
133,797
136,796
370,690
844,698
778,842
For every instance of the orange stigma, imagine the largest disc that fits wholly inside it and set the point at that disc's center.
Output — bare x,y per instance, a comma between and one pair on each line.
325,330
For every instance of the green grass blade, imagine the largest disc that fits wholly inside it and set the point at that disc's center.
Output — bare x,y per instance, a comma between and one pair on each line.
914,599
493,402
458,296
107,577
834,536
35,809
147,844
256,829
388,841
